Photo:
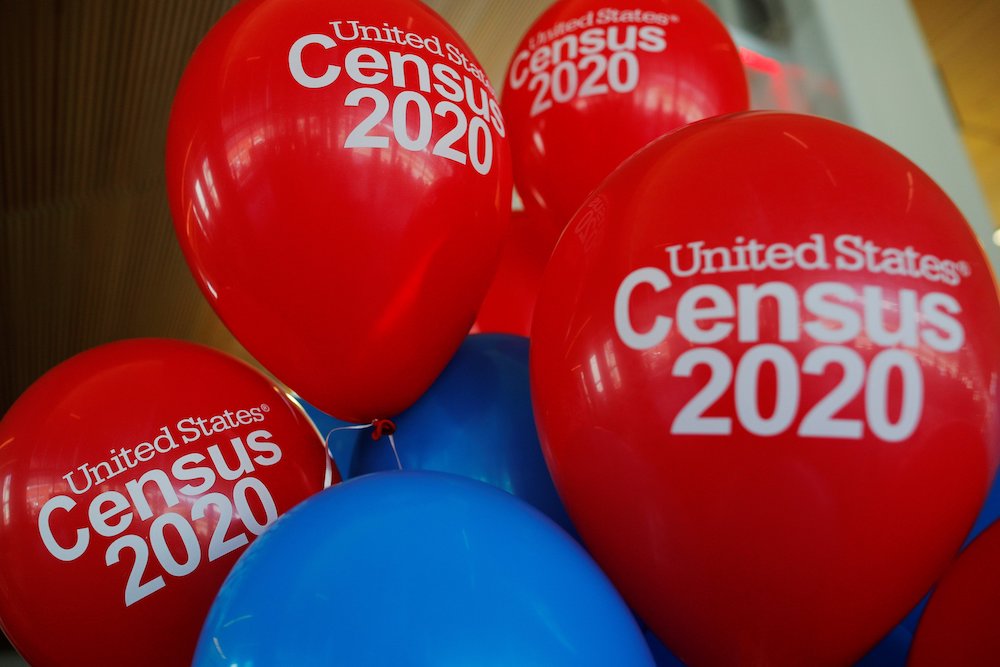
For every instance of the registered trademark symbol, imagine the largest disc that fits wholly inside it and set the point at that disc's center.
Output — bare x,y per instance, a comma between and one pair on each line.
964,269
264,407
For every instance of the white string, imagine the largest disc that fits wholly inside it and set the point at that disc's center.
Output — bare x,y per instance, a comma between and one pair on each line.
353,427
359,427
392,443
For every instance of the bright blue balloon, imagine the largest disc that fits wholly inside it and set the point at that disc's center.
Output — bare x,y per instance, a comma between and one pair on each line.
414,569
342,442
476,421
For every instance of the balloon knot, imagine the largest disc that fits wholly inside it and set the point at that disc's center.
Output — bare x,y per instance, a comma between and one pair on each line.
382,427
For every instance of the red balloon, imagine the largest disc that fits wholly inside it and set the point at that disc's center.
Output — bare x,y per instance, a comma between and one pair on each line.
959,626
763,363
340,183
510,301
132,477
593,81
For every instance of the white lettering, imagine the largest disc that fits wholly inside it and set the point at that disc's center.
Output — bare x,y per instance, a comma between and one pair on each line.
659,281
295,62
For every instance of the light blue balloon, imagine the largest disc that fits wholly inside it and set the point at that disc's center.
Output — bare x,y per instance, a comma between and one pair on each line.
418,569
476,421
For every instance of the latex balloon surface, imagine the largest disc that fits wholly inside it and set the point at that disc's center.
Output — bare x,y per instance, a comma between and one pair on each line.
510,301
989,513
340,183
417,568
133,476
895,647
475,420
593,81
959,626
763,366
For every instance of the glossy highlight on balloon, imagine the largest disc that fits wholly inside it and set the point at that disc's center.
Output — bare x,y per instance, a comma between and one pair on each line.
594,81
339,178
133,475
762,366
418,568
510,302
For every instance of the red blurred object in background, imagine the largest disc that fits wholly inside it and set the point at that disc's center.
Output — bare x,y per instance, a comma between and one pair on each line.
132,477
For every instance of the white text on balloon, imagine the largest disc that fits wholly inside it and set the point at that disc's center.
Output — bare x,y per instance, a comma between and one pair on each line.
111,513
469,108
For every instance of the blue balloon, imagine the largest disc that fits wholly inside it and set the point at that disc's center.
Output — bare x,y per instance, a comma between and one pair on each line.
892,651
417,568
476,421
341,439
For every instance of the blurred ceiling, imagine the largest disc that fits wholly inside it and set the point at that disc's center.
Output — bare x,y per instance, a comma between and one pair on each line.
962,35
87,249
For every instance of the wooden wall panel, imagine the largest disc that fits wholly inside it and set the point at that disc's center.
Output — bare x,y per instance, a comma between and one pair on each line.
87,250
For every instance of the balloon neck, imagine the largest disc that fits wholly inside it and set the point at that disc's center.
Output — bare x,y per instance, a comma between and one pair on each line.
382,427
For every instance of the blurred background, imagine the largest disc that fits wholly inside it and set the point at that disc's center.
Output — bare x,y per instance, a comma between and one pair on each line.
87,248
